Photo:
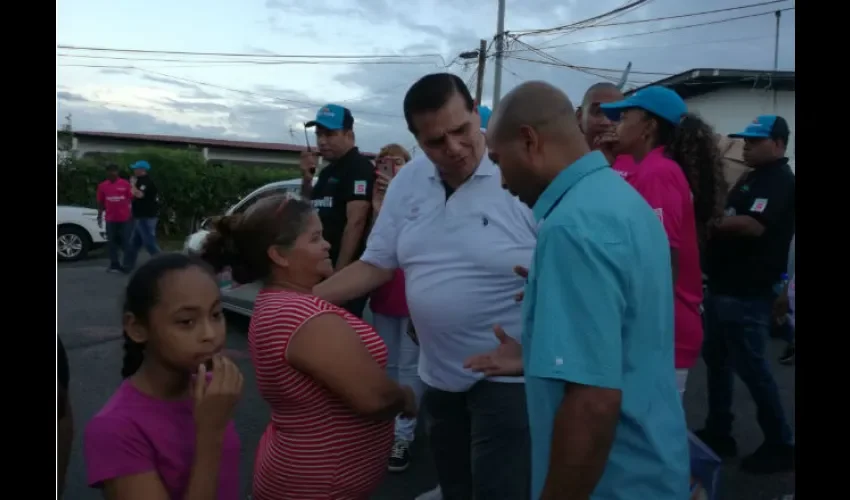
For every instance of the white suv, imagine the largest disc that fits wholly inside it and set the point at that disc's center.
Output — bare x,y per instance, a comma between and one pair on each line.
77,232
239,297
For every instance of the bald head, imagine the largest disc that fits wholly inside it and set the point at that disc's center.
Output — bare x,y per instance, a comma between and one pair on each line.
606,88
534,104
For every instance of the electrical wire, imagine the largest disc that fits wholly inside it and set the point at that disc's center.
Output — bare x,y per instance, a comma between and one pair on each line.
590,68
593,24
254,55
626,7
250,62
560,62
664,30
650,20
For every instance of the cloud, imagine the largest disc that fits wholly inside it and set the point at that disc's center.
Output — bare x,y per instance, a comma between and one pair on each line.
70,97
278,99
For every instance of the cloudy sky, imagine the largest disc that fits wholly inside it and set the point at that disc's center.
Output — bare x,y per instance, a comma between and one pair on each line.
265,98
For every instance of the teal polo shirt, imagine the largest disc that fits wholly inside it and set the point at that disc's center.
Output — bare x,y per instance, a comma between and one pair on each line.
598,311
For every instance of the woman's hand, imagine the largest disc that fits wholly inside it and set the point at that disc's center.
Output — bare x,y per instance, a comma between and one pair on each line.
379,191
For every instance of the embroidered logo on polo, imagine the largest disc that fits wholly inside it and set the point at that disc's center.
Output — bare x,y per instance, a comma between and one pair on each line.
326,202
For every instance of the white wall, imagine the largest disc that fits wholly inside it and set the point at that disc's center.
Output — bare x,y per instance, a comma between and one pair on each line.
730,110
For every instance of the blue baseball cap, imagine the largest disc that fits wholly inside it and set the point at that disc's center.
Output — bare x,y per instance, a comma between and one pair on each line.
485,113
765,127
660,101
141,164
333,117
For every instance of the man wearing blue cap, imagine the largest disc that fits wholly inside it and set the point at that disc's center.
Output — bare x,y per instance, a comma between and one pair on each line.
343,192
746,255
145,214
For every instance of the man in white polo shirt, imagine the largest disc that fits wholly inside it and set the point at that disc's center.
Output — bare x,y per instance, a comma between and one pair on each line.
447,222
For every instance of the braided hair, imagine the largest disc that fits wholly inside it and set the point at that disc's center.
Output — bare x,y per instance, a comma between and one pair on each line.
142,294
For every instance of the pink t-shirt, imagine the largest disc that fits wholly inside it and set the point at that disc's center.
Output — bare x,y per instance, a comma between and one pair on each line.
116,199
663,185
389,299
135,433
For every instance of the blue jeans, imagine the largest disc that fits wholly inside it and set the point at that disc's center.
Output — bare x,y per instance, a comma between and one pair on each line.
143,234
735,338
402,364
116,241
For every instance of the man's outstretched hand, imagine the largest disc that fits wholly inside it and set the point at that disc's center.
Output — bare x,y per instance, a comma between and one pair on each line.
522,272
505,360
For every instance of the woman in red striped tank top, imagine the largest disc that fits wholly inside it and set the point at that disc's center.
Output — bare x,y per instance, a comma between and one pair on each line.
320,368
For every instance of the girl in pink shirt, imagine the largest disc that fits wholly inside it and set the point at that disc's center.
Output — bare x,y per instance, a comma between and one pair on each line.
167,433
392,319
671,158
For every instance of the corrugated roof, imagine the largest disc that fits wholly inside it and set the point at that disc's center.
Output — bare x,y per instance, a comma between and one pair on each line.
198,141
699,81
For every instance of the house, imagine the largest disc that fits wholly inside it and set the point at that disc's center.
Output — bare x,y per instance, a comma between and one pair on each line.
214,150
729,99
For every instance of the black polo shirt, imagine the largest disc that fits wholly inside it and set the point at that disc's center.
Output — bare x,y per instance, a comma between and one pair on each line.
146,207
746,266
349,178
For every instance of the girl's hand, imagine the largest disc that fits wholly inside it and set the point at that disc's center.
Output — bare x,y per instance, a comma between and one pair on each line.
216,400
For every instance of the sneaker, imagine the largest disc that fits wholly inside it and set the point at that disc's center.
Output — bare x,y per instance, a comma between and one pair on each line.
770,459
724,446
787,357
399,456
113,269
435,494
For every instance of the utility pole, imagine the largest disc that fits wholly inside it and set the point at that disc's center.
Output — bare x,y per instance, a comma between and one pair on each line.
778,14
500,47
482,61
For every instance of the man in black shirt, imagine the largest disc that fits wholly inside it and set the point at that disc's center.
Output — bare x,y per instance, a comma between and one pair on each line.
64,418
145,213
745,258
343,192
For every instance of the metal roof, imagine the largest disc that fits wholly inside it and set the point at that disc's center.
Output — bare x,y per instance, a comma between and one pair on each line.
701,81
198,141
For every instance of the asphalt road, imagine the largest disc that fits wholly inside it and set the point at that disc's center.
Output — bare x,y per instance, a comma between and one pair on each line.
88,319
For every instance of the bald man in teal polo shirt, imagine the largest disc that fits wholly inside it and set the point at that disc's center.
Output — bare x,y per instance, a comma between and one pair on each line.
605,416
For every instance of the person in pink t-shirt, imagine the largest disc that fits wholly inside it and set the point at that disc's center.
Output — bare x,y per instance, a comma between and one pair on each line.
167,431
114,198
392,319
671,158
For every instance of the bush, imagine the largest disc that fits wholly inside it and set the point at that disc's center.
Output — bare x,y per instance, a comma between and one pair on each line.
189,187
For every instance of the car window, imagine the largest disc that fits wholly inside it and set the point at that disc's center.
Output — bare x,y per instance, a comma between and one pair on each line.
248,203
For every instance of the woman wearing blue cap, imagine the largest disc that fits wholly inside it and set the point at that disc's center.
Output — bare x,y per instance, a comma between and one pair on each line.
672,159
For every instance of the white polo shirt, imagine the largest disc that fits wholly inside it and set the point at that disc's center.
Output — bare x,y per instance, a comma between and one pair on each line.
458,257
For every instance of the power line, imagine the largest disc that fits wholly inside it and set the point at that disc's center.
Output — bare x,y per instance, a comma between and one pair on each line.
594,24
590,68
562,63
255,55
249,62
627,7
664,30
667,46
650,20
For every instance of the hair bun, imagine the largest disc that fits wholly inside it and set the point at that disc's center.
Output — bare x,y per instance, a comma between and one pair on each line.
219,248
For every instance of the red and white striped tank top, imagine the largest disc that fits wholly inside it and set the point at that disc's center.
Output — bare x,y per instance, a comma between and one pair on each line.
315,447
